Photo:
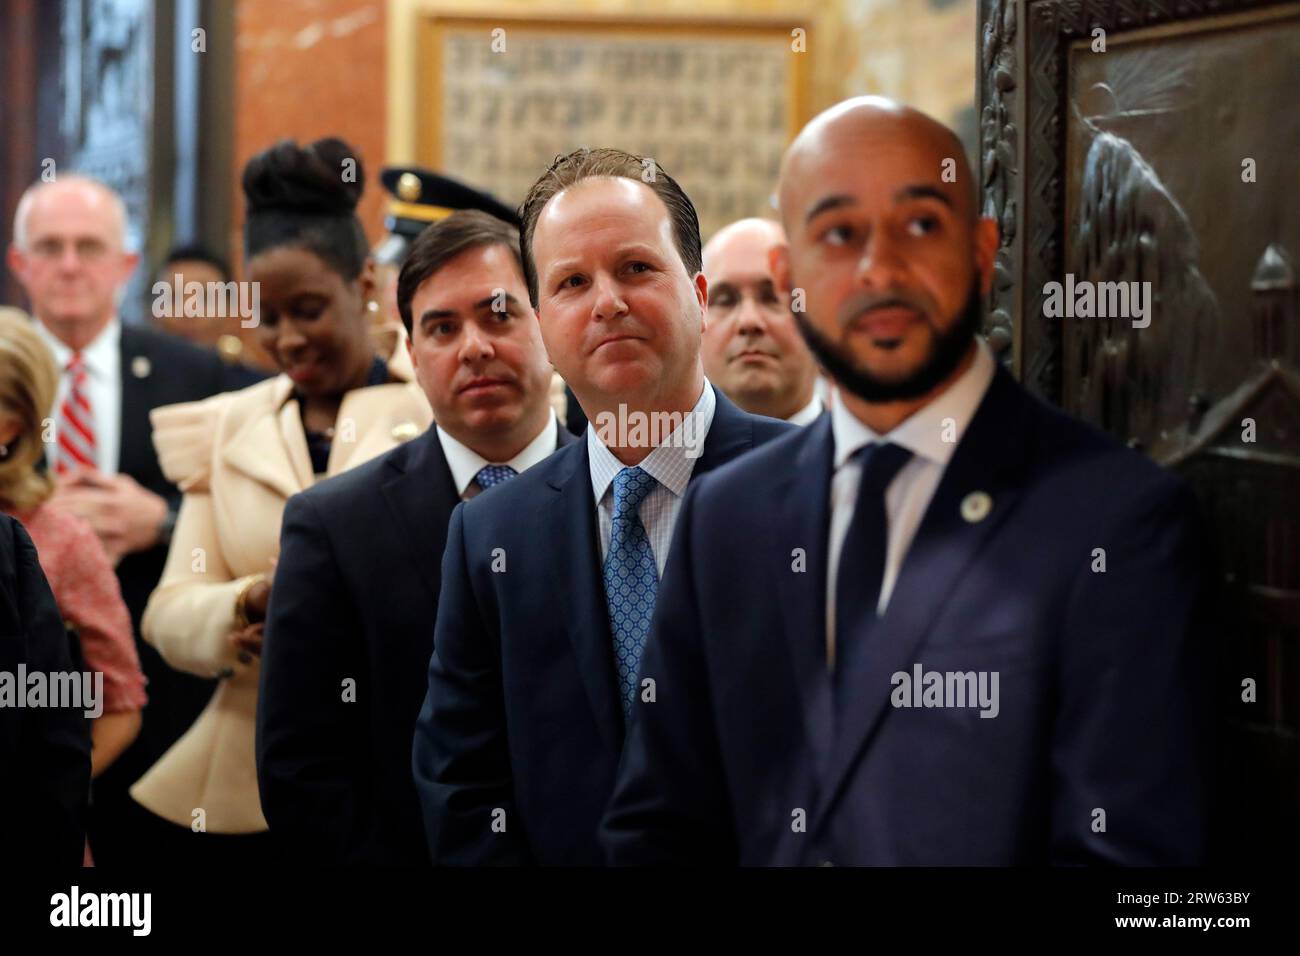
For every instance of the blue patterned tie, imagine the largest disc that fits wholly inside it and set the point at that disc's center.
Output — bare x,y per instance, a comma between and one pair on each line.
494,475
631,579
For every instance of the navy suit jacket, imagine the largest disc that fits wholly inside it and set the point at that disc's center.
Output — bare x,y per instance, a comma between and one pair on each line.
1102,708
521,732
355,596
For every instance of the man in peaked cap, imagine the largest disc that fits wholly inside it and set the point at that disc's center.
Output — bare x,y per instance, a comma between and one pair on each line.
420,197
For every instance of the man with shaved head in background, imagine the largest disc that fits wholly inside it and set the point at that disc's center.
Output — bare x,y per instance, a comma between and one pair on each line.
751,346
963,632
70,254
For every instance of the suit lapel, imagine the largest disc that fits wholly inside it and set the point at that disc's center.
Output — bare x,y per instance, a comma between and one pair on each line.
135,450
987,460
421,494
373,413
292,447
804,509
563,437
577,581
730,434
577,577
271,447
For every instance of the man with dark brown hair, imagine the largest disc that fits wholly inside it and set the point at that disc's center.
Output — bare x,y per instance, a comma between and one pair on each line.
350,626
549,583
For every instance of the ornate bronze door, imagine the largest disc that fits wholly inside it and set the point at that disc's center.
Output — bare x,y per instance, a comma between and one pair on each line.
1146,149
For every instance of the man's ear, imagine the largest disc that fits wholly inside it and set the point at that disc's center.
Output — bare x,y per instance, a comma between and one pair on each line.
778,263
366,281
986,251
10,428
14,259
129,261
410,350
702,296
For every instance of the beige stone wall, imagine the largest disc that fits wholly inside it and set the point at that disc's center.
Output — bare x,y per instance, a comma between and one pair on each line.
920,51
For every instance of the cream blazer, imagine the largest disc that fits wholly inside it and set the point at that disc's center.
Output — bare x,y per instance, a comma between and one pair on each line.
238,457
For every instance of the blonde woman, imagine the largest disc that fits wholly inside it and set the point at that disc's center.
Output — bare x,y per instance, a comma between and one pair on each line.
80,574
238,457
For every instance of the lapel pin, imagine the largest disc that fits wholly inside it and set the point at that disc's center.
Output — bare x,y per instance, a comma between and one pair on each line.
141,366
404,431
975,507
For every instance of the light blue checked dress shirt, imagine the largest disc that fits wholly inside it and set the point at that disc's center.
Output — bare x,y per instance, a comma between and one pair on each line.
637,510
670,464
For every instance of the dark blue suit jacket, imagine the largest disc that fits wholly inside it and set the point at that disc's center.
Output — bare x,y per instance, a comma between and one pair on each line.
519,739
1101,687
355,596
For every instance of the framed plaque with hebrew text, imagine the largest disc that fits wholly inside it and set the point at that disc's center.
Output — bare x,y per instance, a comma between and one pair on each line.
712,102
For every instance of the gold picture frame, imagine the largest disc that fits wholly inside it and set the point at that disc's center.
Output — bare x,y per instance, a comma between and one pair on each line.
720,98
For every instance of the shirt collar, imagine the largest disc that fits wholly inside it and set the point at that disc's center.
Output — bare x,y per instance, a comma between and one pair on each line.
923,432
102,356
671,462
465,463
809,413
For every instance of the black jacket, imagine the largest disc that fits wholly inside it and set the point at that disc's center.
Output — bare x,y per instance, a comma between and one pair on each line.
355,598
44,751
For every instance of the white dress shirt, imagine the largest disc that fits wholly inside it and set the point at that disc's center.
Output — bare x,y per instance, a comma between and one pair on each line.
908,495
103,358
670,464
465,463
809,413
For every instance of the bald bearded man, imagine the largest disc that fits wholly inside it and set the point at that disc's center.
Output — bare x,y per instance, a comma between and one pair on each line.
962,632
751,347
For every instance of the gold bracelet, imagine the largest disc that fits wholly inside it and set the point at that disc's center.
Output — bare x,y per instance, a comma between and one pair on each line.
241,602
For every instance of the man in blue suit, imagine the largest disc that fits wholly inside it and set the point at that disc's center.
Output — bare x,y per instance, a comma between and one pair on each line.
350,626
548,583
946,624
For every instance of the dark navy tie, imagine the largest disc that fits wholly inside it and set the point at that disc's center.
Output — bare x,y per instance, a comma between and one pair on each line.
862,562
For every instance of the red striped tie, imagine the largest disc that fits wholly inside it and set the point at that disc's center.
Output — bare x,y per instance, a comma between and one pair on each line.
76,425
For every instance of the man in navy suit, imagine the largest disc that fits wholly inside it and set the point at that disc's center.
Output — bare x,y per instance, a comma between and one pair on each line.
946,624
548,583
350,625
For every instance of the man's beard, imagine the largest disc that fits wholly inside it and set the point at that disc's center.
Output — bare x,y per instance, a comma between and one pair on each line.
948,348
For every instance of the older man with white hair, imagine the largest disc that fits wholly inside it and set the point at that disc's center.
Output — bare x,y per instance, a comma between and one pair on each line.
751,347
71,256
